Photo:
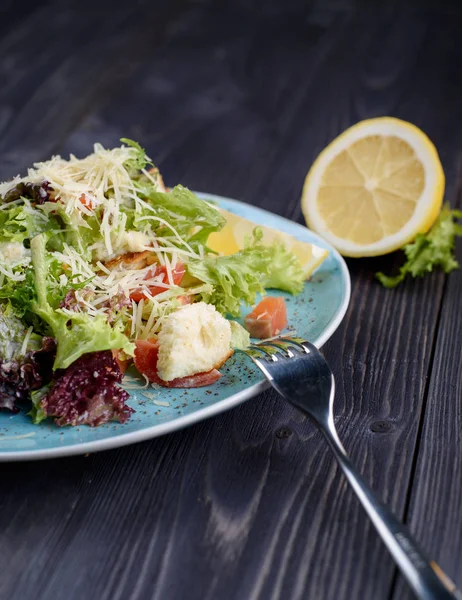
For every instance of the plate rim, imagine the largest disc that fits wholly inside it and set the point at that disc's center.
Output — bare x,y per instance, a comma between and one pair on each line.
208,411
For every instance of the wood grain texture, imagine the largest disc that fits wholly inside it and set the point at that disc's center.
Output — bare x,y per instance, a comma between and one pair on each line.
237,100
435,512
50,86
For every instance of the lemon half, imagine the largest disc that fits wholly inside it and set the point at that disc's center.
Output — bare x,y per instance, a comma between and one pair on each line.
374,188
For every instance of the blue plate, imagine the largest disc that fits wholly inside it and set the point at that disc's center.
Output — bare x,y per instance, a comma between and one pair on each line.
315,314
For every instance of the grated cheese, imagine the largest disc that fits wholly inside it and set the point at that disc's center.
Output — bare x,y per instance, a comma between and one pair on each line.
128,386
150,322
168,268
161,402
103,268
139,316
134,318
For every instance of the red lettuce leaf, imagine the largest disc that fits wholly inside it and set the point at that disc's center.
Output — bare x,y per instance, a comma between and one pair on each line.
87,392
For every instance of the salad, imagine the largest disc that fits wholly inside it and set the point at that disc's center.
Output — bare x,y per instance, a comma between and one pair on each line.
101,265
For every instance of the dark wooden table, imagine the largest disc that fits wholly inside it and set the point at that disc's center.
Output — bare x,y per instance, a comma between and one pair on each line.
238,98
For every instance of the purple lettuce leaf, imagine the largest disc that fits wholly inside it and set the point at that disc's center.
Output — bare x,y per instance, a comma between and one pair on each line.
20,376
87,392
38,192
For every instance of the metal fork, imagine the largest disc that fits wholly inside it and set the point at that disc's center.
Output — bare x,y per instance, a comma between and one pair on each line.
299,372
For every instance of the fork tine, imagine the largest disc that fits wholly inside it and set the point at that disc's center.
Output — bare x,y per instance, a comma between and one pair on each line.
297,343
255,351
278,348
291,346
283,348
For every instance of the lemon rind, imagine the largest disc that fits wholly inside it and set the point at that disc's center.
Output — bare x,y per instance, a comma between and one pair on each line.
423,217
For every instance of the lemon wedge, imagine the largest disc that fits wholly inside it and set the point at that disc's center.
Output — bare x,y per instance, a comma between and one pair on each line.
232,237
374,188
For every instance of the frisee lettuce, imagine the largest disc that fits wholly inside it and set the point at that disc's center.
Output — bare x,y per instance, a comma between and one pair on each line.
18,224
36,413
240,337
140,161
192,218
21,295
75,334
429,250
285,270
240,277
80,235
12,332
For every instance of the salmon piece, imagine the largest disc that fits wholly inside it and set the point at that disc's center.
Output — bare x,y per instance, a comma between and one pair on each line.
267,319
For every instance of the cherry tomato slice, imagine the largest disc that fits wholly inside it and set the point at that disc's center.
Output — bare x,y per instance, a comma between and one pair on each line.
146,354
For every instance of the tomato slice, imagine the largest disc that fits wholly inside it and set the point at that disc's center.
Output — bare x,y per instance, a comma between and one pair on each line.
267,319
193,381
146,354
177,275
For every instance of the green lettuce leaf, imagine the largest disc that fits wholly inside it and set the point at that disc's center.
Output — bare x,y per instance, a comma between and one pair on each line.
429,250
12,333
240,277
36,413
21,223
21,296
18,224
240,337
80,234
285,270
78,333
193,218
235,279
140,160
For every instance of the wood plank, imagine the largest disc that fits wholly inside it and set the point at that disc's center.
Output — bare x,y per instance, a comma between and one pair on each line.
248,504
434,513
51,86
434,107
218,78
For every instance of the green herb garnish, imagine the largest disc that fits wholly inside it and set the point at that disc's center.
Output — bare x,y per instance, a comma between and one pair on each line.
430,250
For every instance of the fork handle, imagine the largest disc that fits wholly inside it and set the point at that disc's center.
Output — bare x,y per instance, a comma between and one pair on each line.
425,577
